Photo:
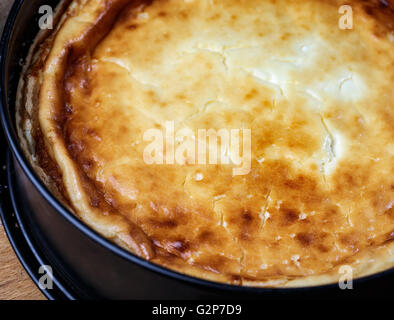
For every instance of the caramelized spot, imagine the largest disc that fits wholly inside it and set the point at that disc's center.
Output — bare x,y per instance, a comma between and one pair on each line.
234,17
132,27
389,237
87,165
213,263
179,245
235,278
206,236
183,14
350,240
289,216
322,248
244,236
247,217
165,224
298,183
305,238
94,202
251,94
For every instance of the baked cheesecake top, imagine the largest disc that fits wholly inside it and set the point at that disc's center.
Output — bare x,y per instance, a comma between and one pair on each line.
310,100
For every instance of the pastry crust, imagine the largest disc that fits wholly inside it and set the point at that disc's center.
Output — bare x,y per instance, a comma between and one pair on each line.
317,99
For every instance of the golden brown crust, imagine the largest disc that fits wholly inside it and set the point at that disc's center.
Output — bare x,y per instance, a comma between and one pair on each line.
316,98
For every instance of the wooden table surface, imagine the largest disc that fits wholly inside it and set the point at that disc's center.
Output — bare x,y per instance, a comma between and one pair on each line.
14,281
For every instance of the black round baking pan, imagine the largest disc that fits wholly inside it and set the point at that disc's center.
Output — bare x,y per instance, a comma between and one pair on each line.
19,235
85,265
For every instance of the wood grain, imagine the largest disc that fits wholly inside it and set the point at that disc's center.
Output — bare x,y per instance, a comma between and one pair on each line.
15,283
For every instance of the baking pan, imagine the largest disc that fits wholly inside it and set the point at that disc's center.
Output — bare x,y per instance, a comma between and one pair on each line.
85,265
19,235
